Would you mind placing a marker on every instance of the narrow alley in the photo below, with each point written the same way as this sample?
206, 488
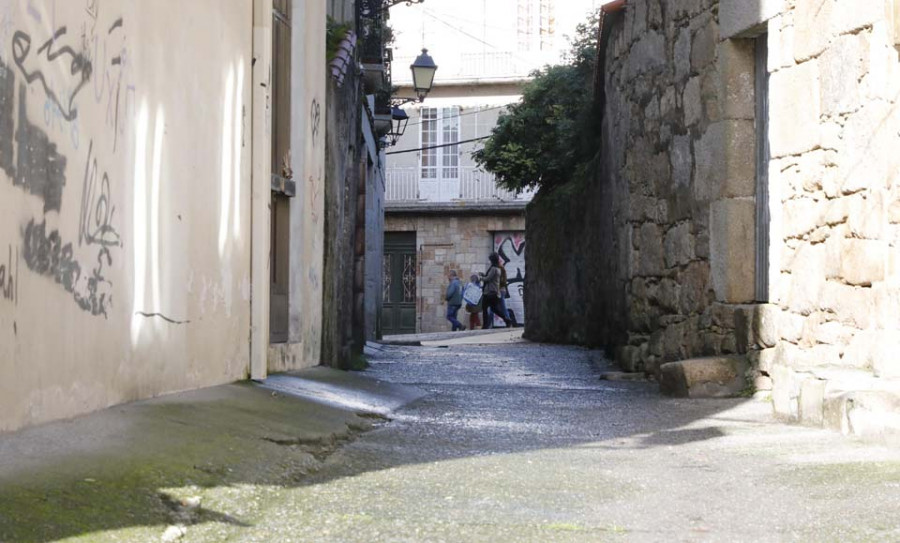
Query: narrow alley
256, 255
505, 442
525, 443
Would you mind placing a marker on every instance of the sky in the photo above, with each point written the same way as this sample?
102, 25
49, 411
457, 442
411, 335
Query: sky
484, 39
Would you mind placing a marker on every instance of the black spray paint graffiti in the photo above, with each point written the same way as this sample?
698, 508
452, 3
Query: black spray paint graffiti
315, 120
9, 278
32, 161
79, 67
95, 225
35, 165
45, 254
40, 168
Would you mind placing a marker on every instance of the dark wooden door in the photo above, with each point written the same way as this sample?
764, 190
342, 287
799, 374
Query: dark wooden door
398, 314
279, 293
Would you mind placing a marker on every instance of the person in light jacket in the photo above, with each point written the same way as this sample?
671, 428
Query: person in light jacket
491, 298
454, 301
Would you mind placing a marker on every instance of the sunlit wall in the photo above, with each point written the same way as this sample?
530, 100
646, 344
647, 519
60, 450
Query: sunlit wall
124, 201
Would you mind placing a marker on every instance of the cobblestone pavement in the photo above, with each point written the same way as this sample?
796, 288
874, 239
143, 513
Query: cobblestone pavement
524, 443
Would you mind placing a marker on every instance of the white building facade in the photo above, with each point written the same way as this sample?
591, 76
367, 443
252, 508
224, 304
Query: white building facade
449, 211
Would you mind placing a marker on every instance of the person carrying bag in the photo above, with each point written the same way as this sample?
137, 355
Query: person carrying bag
491, 293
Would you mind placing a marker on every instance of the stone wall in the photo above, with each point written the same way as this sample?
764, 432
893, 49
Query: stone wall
835, 85
668, 221
344, 160
353, 213
647, 271
444, 243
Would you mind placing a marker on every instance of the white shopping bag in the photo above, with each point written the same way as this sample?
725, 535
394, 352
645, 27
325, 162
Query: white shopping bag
472, 294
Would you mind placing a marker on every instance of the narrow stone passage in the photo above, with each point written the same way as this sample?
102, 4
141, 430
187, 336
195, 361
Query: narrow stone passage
524, 443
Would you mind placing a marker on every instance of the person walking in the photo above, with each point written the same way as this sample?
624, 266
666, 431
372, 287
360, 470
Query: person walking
454, 301
504, 293
491, 298
474, 310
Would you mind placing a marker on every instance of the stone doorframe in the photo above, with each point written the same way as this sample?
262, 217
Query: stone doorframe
731, 147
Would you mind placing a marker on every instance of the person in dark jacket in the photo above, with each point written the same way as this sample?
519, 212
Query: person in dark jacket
454, 301
491, 298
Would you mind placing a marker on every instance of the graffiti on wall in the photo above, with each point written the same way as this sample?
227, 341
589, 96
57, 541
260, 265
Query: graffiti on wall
46, 253
511, 248
9, 273
112, 86
73, 77
57, 68
34, 163
97, 209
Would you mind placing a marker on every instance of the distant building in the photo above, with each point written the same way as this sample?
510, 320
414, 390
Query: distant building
442, 212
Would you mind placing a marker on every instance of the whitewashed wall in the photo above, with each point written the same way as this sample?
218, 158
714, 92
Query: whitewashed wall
124, 201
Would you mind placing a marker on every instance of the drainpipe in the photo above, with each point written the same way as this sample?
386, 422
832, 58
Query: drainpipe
260, 187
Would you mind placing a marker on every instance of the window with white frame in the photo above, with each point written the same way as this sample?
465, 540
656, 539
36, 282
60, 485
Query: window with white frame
439, 131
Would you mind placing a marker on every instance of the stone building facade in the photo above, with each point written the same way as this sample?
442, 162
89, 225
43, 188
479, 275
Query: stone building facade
450, 240
746, 202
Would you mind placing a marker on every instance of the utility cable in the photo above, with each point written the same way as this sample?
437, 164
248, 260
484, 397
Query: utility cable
474, 37
437, 146
460, 115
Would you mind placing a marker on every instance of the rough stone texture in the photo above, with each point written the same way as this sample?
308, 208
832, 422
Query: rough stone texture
744, 17
833, 196
812, 401
794, 109
638, 229
731, 233
863, 261
714, 377
342, 337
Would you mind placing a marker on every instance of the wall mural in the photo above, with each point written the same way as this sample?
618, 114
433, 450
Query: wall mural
511, 248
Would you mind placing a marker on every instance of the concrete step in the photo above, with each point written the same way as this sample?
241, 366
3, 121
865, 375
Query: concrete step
712, 377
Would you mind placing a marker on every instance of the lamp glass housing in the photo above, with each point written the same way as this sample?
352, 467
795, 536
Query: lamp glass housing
423, 70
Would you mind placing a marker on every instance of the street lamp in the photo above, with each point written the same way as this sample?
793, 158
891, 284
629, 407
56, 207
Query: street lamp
423, 74
399, 120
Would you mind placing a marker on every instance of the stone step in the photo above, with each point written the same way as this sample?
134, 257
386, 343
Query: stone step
869, 414
852, 401
712, 377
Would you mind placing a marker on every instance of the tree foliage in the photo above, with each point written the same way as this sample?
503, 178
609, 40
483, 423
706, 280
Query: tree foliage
541, 140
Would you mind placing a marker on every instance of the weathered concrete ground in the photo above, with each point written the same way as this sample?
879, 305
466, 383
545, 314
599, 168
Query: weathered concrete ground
514, 442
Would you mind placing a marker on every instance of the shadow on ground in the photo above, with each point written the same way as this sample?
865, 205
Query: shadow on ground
135, 469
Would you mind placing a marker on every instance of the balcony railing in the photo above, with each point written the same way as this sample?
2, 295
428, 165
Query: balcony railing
492, 65
404, 185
